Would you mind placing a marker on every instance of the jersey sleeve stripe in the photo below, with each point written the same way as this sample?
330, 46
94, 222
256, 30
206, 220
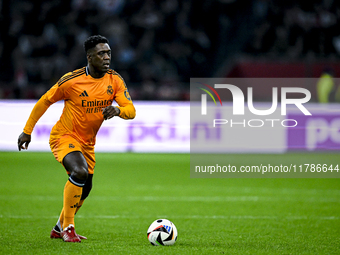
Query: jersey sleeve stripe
115, 73
69, 77
73, 73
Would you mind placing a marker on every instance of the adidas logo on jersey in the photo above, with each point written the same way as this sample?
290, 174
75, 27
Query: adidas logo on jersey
84, 94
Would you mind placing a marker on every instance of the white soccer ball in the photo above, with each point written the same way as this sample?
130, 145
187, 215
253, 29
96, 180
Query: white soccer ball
162, 232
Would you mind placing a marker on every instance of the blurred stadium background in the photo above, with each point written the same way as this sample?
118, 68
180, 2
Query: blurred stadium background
158, 45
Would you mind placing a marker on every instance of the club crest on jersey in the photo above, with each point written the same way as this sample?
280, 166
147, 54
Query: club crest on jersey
109, 90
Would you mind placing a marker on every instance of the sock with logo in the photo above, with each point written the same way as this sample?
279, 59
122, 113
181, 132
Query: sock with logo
79, 205
72, 194
59, 225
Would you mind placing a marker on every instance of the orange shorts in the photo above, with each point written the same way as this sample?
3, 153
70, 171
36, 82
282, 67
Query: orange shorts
62, 146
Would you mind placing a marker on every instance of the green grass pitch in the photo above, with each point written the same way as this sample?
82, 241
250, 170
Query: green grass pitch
213, 216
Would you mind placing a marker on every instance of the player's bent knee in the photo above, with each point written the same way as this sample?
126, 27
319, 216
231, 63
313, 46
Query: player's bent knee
76, 164
80, 173
78, 178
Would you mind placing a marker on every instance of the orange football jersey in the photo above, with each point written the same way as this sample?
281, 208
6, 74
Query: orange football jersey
84, 99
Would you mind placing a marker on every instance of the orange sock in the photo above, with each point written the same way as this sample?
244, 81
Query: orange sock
72, 195
79, 205
61, 217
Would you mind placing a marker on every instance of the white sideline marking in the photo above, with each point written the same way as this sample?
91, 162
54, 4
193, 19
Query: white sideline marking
224, 217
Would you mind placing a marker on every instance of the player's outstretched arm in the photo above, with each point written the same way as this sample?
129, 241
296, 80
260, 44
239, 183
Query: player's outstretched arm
23, 141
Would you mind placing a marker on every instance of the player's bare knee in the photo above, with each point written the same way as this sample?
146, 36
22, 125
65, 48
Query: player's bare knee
80, 173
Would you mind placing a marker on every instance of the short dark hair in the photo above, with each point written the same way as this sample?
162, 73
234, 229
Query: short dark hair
93, 40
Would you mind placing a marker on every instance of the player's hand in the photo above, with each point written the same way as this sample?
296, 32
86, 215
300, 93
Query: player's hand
110, 111
24, 139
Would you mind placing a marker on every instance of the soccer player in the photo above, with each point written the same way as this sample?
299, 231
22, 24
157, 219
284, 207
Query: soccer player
88, 94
